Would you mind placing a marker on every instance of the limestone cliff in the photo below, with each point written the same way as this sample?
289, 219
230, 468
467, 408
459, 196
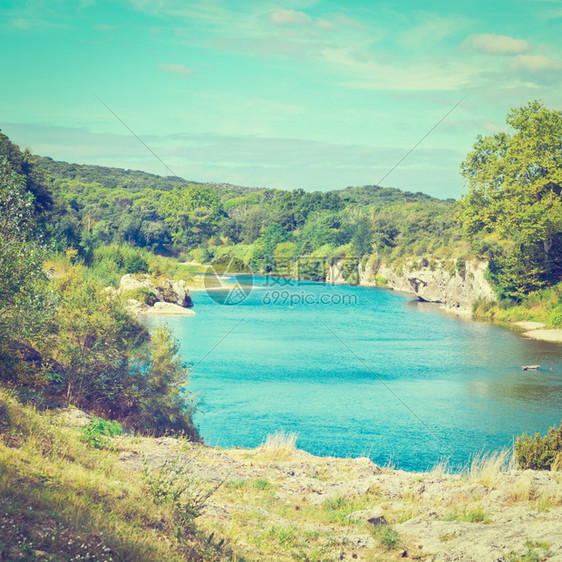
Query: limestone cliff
456, 285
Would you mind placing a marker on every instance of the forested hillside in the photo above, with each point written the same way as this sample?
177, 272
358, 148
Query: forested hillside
511, 215
97, 205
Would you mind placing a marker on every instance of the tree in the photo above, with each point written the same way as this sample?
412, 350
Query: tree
164, 402
93, 337
193, 214
23, 295
514, 189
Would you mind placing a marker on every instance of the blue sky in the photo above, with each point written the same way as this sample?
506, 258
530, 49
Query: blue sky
312, 94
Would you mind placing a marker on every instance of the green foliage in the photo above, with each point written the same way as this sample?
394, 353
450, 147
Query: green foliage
25, 299
540, 453
483, 308
556, 316
100, 206
175, 485
141, 294
91, 337
470, 515
98, 429
387, 537
514, 183
165, 402
192, 214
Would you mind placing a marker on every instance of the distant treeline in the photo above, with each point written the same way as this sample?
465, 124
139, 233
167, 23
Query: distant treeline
97, 205
510, 216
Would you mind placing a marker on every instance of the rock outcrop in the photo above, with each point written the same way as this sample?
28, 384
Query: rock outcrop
161, 295
163, 289
455, 285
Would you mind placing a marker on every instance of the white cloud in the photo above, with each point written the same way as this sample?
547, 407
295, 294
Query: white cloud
492, 44
370, 72
325, 24
432, 28
349, 22
176, 69
535, 64
288, 17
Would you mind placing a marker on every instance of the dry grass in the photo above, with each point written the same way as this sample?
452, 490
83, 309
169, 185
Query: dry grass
441, 468
61, 496
279, 446
487, 468
523, 489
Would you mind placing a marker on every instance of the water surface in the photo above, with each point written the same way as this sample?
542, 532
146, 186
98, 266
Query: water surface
376, 374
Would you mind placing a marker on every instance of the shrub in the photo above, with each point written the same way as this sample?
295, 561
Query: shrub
556, 316
175, 485
540, 453
141, 294
164, 402
484, 308
135, 263
461, 266
98, 429
387, 537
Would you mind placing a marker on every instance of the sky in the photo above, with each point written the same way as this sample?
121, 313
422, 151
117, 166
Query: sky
311, 94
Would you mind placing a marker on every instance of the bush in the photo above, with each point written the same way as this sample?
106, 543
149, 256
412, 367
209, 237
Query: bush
141, 294
556, 316
98, 429
540, 453
174, 484
387, 537
484, 308
135, 263
164, 403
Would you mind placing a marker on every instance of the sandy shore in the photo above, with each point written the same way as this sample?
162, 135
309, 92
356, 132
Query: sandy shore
537, 331
165, 308
552, 335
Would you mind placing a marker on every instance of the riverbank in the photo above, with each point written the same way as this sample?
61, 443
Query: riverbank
537, 331
277, 502
61, 498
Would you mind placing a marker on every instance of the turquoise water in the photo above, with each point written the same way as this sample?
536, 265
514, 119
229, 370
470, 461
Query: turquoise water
363, 371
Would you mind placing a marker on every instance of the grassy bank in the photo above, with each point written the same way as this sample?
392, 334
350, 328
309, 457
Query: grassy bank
62, 499
539, 306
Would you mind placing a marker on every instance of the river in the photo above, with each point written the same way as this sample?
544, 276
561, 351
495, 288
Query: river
363, 371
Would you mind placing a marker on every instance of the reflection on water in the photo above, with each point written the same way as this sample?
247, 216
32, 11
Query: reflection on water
386, 376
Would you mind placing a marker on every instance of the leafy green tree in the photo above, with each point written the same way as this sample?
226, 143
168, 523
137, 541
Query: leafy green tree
22, 164
164, 401
92, 339
24, 298
193, 214
514, 188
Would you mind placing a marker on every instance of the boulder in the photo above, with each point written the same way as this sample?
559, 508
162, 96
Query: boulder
163, 289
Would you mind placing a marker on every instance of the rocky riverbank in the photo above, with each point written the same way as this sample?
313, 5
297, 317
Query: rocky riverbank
160, 296
277, 502
280, 503
457, 285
